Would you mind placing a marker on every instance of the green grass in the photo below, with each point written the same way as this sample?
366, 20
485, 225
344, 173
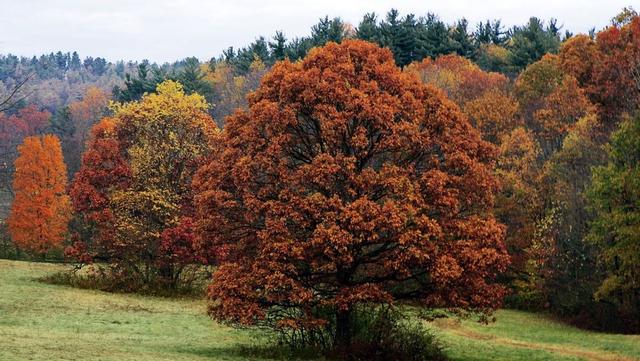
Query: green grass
41, 321
47, 322
528, 336
523, 327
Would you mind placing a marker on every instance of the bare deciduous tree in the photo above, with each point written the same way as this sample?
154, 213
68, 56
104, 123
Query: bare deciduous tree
14, 96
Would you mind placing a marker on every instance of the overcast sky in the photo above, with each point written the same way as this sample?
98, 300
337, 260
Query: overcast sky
167, 30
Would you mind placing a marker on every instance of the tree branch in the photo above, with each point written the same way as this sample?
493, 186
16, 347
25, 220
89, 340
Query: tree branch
10, 101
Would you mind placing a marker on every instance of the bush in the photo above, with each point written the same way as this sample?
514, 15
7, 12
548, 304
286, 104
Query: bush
378, 333
384, 333
7, 249
193, 280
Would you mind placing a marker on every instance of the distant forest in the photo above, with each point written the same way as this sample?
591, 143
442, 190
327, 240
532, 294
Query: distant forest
58, 80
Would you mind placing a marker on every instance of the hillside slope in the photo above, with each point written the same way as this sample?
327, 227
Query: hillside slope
46, 322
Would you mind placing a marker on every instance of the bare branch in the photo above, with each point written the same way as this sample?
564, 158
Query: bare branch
12, 99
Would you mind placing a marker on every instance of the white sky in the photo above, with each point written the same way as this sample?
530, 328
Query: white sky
167, 30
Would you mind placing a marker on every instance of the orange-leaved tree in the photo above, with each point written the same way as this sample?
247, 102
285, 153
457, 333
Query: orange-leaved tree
551, 102
460, 78
88, 111
518, 205
488, 101
494, 114
608, 67
82, 115
41, 208
482, 96
347, 182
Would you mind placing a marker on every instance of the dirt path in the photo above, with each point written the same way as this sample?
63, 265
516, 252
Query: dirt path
455, 328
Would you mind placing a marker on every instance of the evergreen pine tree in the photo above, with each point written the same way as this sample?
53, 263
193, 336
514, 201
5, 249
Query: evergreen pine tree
75, 61
461, 40
278, 47
368, 29
192, 79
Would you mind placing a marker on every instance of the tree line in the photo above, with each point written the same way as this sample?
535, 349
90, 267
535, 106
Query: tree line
57, 80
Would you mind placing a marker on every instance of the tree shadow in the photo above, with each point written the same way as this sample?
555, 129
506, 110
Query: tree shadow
249, 352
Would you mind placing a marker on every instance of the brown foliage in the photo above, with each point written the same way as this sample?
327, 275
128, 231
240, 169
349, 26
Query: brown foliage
482, 96
608, 68
551, 102
348, 182
494, 114
518, 205
460, 78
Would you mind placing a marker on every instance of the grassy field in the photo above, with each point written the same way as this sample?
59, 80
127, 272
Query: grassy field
527, 336
46, 322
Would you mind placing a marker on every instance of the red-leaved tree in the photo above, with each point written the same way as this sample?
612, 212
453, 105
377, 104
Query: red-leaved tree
28, 121
347, 182
608, 68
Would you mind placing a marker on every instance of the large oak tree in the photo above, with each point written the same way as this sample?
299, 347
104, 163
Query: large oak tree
348, 182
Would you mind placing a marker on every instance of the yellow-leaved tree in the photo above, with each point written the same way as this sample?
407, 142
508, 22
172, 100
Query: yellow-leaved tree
144, 203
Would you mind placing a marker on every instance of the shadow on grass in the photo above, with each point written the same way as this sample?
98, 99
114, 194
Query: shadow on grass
248, 352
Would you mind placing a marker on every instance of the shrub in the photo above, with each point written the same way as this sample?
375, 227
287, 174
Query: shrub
7, 249
384, 333
192, 281
379, 333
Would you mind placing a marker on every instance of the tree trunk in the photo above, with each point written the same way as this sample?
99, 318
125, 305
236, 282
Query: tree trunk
343, 329
166, 276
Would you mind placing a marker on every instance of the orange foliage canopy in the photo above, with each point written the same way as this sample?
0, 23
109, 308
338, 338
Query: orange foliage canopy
551, 102
519, 204
459, 77
88, 111
482, 96
41, 209
345, 182
494, 114
608, 68
26, 122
